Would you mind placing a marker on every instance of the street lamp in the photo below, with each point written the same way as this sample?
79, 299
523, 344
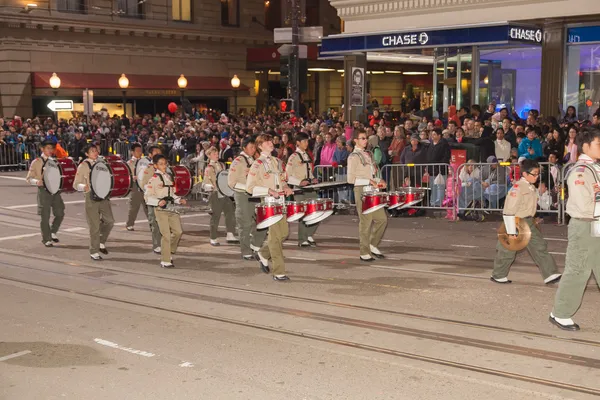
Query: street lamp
124, 84
55, 84
235, 84
182, 83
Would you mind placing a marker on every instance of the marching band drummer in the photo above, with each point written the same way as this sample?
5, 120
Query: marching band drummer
160, 193
218, 203
47, 202
149, 173
522, 202
362, 173
266, 178
244, 208
98, 212
299, 172
136, 196
583, 249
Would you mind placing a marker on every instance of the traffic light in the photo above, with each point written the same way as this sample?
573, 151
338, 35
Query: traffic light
286, 105
284, 69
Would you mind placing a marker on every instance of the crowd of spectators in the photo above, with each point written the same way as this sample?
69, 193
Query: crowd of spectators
489, 135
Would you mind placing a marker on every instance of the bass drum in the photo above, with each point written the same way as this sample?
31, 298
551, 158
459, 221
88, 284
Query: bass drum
58, 175
109, 179
222, 185
182, 179
140, 167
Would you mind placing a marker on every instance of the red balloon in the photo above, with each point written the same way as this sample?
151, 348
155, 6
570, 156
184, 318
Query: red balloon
172, 107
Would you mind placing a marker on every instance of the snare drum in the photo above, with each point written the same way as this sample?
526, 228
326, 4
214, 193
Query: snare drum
140, 167
58, 175
396, 199
313, 209
294, 210
413, 195
182, 179
268, 213
327, 212
109, 179
373, 201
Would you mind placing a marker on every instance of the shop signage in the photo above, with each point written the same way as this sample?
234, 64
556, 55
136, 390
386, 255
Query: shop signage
457, 37
160, 92
583, 34
358, 87
526, 34
61, 105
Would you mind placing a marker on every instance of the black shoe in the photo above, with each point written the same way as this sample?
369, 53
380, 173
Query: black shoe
572, 328
501, 282
96, 258
281, 278
104, 251
264, 268
378, 255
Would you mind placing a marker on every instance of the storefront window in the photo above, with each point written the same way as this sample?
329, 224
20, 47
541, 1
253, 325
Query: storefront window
511, 78
583, 80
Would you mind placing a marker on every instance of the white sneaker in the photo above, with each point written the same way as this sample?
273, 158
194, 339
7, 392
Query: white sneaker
552, 279
375, 250
157, 250
54, 237
214, 242
130, 228
231, 237
254, 248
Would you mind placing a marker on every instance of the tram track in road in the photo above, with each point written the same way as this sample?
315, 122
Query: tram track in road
311, 300
320, 338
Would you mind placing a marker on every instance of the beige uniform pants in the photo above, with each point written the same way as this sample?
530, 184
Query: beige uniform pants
371, 227
273, 247
100, 221
169, 224
136, 200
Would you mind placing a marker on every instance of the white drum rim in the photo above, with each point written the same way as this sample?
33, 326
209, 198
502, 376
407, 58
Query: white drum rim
60, 176
269, 221
411, 203
375, 208
112, 180
312, 216
227, 192
296, 217
326, 214
395, 206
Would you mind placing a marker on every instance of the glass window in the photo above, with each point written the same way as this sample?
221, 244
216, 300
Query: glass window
511, 78
230, 13
583, 80
130, 8
74, 6
182, 10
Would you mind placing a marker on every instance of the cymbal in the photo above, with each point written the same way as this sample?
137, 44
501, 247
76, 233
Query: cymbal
518, 242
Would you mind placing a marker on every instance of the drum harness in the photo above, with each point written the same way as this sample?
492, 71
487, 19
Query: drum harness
363, 161
307, 162
169, 199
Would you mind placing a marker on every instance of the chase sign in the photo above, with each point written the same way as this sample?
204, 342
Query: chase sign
526, 34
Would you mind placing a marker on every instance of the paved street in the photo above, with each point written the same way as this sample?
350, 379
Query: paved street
425, 323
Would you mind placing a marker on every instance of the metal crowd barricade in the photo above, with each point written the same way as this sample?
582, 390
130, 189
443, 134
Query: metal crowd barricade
15, 156
438, 179
121, 149
483, 187
342, 195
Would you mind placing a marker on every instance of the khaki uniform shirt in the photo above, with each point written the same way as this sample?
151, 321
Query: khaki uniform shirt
131, 164
266, 173
36, 170
299, 168
210, 175
148, 173
521, 200
583, 189
157, 189
361, 168
82, 177
238, 172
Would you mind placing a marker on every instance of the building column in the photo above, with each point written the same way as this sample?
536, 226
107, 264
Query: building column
353, 113
15, 84
553, 53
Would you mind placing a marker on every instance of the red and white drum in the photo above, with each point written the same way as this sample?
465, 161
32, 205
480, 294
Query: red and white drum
110, 179
396, 199
111, 158
327, 212
373, 201
183, 180
294, 210
313, 209
59, 175
268, 213
413, 195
